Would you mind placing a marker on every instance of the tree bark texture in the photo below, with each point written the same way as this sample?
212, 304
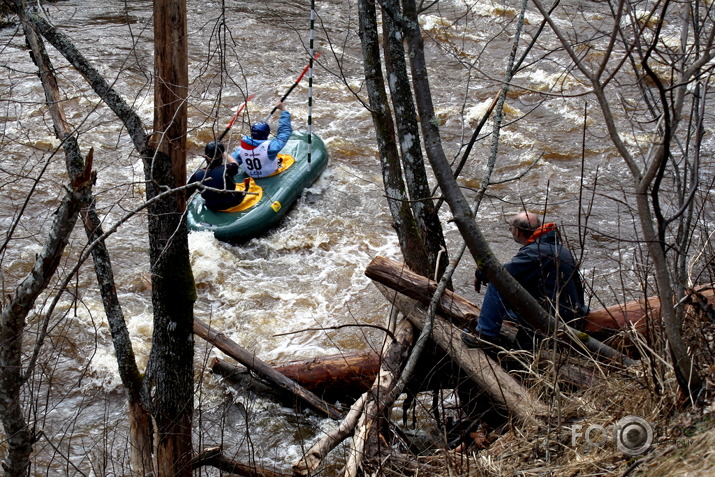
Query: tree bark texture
340, 377
139, 418
366, 440
413, 164
135, 128
404, 222
315, 455
396, 276
170, 370
214, 458
522, 302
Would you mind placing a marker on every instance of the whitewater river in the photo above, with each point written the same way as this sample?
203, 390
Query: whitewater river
308, 273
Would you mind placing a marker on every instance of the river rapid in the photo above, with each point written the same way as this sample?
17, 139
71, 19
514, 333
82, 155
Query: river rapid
282, 295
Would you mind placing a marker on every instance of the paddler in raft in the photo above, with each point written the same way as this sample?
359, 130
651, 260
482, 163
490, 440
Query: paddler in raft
256, 153
218, 174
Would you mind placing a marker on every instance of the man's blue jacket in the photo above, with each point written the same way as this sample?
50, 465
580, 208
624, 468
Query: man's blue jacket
549, 272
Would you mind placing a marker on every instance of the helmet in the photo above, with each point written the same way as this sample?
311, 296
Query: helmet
214, 150
260, 130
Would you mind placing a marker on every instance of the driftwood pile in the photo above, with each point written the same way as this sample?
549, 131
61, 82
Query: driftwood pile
368, 380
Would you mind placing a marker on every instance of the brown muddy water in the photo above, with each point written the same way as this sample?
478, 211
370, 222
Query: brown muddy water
308, 272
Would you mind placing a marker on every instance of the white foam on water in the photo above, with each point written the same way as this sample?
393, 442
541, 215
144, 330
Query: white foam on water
281, 295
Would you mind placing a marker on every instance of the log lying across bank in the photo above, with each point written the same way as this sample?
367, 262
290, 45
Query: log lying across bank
339, 377
483, 370
343, 377
250, 360
214, 457
401, 279
635, 315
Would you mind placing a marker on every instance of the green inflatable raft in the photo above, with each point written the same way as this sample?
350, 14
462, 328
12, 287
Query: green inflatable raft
269, 198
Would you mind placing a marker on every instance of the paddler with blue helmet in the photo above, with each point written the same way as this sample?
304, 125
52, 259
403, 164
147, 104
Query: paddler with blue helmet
256, 153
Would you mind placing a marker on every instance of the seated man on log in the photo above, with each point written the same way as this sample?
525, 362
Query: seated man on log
547, 270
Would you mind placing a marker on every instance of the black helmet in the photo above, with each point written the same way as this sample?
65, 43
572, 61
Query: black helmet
214, 150
260, 130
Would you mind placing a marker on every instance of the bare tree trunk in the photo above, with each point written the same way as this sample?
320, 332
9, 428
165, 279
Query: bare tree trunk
689, 378
315, 455
139, 418
408, 132
20, 437
140, 421
522, 302
96, 81
173, 290
170, 371
665, 104
420, 288
411, 236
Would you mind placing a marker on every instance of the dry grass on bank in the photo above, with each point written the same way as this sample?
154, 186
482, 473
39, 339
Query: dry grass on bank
683, 433
682, 444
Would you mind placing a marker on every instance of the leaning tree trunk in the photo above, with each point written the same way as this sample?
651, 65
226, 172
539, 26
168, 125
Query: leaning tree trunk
139, 419
12, 327
522, 302
164, 160
140, 423
170, 371
20, 437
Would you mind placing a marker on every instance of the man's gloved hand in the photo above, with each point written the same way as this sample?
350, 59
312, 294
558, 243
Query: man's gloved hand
477, 281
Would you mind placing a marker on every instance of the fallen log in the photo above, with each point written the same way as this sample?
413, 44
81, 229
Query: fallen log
247, 381
632, 315
250, 360
476, 364
432, 374
601, 322
579, 376
397, 277
340, 377
400, 278
315, 455
636, 314
214, 457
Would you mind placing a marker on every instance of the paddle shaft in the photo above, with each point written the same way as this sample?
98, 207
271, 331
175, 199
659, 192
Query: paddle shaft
233, 119
292, 87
